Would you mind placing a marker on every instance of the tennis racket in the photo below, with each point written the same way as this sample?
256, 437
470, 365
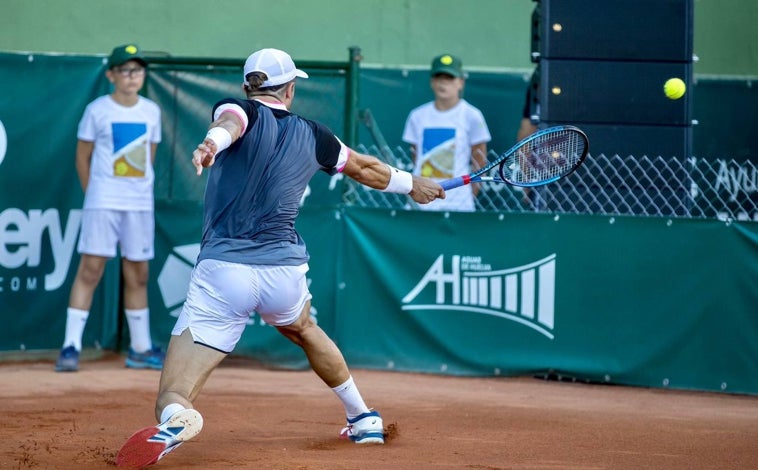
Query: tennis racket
543, 157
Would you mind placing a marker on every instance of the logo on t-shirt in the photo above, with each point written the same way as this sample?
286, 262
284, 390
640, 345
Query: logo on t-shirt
129, 149
438, 153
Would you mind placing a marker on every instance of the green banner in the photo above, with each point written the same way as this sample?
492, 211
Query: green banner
651, 302
643, 301
186, 95
40, 200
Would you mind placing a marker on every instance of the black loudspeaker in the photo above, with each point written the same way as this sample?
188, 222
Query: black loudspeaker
573, 91
638, 141
636, 30
603, 65
536, 33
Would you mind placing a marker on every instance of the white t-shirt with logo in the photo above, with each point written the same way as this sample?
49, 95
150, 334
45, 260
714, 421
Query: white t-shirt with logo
121, 171
443, 141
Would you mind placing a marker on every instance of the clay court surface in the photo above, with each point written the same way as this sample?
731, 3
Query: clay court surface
264, 419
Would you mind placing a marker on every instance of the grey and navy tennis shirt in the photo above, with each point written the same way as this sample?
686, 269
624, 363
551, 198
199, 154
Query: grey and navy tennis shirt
255, 186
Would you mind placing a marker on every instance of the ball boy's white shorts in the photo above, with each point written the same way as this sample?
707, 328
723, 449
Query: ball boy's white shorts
104, 229
223, 295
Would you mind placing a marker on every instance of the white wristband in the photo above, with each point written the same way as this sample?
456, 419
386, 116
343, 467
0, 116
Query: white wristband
221, 137
401, 182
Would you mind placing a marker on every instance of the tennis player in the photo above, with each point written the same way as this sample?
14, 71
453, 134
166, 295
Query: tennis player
252, 259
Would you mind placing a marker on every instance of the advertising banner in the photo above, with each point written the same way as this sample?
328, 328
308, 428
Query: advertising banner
642, 301
648, 301
40, 200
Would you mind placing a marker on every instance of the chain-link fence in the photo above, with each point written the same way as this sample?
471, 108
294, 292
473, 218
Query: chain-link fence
187, 88
667, 187
664, 187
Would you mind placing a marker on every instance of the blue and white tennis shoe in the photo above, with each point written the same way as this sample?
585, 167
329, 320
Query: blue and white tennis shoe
366, 428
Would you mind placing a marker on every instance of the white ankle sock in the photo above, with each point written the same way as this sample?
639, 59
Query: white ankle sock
351, 398
139, 329
76, 320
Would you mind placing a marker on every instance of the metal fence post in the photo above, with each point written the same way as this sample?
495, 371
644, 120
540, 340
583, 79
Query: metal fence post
351, 96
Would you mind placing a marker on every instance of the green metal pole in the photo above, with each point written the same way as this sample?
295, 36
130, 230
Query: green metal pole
351, 97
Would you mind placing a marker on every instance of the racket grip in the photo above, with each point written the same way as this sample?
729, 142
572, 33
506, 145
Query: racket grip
455, 182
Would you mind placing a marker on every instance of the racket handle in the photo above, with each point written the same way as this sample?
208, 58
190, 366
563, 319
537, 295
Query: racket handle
455, 182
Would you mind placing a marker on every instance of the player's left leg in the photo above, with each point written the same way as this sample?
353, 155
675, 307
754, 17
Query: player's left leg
364, 426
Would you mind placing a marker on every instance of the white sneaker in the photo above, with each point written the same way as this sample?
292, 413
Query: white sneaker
150, 444
366, 428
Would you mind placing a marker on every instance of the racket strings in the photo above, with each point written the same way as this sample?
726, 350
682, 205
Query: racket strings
545, 158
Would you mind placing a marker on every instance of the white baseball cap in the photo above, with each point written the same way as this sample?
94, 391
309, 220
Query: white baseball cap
277, 65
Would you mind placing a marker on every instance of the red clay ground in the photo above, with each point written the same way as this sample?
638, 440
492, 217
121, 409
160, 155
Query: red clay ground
263, 419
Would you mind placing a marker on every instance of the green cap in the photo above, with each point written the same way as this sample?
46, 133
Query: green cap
125, 53
447, 64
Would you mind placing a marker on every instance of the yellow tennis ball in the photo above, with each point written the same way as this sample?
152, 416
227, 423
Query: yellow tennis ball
121, 168
674, 88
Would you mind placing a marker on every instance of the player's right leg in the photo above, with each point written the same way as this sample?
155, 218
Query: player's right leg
186, 369
201, 335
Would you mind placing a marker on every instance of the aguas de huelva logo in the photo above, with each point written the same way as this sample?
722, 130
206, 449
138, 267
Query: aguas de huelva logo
523, 294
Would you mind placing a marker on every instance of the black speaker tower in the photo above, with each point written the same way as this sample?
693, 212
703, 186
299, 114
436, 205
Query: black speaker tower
602, 67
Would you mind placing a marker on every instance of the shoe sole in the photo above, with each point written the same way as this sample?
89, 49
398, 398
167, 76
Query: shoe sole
150, 444
370, 438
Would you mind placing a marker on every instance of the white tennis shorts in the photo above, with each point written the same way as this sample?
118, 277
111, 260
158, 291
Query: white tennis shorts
223, 295
104, 229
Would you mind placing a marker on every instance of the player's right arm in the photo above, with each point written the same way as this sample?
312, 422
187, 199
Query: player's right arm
84, 161
374, 173
229, 124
